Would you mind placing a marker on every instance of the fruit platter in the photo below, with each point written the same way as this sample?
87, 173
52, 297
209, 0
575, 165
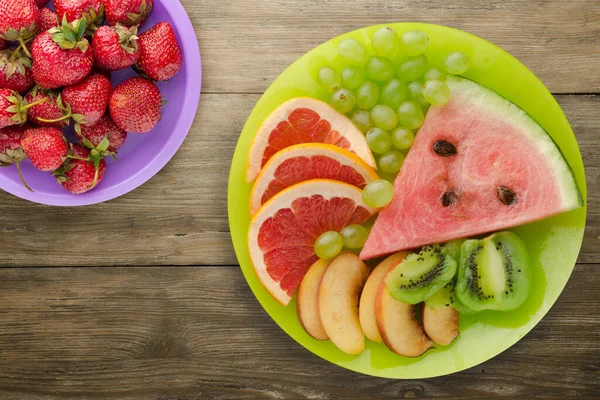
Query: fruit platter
96, 95
407, 200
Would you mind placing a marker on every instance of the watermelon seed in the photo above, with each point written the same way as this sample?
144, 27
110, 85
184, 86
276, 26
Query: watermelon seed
444, 148
506, 195
448, 198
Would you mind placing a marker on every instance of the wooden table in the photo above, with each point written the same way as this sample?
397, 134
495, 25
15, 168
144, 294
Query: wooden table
141, 297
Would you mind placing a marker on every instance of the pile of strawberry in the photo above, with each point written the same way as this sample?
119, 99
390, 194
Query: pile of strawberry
55, 72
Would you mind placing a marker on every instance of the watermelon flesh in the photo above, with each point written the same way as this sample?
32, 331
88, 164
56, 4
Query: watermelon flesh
440, 198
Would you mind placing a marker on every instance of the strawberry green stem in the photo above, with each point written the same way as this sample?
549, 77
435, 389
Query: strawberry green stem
49, 121
21, 176
95, 182
78, 158
35, 103
24, 47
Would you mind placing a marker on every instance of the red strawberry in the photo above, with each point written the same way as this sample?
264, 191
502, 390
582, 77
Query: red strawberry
127, 12
52, 109
41, 3
91, 10
15, 71
46, 148
81, 172
13, 109
105, 128
10, 149
19, 20
160, 57
115, 47
135, 105
87, 100
61, 56
3, 44
49, 19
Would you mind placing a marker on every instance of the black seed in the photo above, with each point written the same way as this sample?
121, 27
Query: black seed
444, 148
507, 196
518, 270
449, 198
447, 305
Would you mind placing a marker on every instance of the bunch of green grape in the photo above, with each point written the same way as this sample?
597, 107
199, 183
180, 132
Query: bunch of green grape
386, 90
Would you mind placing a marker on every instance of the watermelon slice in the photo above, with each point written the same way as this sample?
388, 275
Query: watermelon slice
478, 164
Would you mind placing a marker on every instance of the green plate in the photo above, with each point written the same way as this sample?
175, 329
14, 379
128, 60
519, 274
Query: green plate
554, 243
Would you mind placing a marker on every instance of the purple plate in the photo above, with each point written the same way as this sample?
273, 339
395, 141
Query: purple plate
143, 155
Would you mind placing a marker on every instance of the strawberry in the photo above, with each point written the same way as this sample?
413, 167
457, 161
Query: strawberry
41, 3
3, 44
160, 57
62, 56
46, 148
52, 109
13, 109
135, 105
90, 10
15, 71
10, 149
115, 47
128, 12
19, 20
87, 101
82, 172
92, 136
49, 19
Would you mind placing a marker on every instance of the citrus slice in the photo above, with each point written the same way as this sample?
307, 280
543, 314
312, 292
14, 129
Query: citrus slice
304, 120
283, 232
306, 161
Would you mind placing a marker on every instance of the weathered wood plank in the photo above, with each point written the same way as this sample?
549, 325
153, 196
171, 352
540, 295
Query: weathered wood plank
245, 46
180, 216
196, 333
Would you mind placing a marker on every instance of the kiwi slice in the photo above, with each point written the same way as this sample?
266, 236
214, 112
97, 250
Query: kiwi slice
446, 297
420, 275
494, 273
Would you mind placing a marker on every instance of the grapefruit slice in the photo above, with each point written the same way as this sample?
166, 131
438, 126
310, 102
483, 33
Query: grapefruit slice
304, 120
307, 161
479, 164
283, 232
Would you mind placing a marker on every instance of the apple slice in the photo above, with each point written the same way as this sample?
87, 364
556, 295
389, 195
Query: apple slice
339, 292
306, 301
366, 309
398, 325
440, 323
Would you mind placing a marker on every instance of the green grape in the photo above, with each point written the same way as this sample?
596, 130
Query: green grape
385, 41
379, 141
367, 95
410, 115
378, 193
393, 93
412, 68
391, 162
363, 121
330, 79
355, 236
456, 63
402, 138
343, 100
414, 43
415, 93
384, 117
329, 245
380, 69
353, 51
434, 73
353, 76
436, 92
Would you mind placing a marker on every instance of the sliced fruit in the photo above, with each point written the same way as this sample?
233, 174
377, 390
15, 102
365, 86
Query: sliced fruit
446, 297
367, 298
494, 273
398, 325
307, 305
339, 292
479, 164
440, 323
304, 120
307, 161
283, 232
420, 275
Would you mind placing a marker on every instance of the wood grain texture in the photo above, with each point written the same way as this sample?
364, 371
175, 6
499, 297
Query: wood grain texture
180, 216
198, 333
247, 45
